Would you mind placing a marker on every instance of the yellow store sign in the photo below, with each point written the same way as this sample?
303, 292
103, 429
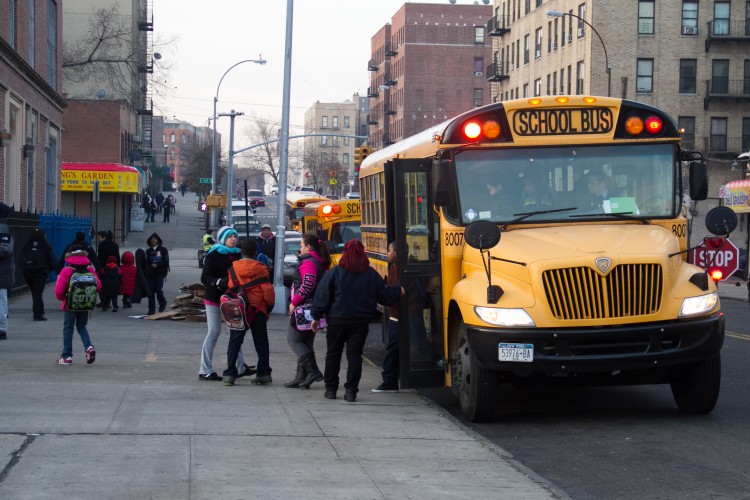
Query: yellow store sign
109, 181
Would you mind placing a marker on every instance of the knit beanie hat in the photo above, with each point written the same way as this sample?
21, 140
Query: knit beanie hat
111, 259
224, 233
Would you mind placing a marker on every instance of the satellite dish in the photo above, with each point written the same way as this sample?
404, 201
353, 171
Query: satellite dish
101, 94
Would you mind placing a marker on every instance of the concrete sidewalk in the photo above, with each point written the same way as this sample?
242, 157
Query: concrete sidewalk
139, 424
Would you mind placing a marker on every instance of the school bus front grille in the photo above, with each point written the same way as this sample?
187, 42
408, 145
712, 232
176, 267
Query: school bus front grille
582, 293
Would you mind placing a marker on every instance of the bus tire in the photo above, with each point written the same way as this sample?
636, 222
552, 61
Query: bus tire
695, 387
477, 388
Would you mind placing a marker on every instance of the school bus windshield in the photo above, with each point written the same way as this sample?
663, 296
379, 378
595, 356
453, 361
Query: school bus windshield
500, 185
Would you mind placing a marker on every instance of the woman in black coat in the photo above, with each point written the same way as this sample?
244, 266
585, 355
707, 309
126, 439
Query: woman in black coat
36, 262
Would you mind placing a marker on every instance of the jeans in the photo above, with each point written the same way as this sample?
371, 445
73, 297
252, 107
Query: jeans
3, 309
79, 321
156, 283
259, 330
300, 342
213, 319
354, 336
391, 361
36, 282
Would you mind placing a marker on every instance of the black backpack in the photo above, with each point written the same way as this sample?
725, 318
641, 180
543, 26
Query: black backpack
34, 259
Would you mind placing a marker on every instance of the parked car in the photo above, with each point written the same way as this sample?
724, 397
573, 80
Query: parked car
275, 189
291, 250
243, 228
255, 198
352, 195
305, 189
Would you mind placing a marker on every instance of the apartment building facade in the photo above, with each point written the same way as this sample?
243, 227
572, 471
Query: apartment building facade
179, 140
31, 104
689, 58
426, 66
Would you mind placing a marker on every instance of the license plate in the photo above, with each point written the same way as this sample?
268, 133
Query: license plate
520, 353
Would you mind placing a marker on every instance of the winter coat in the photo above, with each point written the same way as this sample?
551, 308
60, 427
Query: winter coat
110, 279
49, 257
306, 277
108, 248
7, 263
344, 297
63, 279
141, 288
215, 274
267, 246
128, 271
157, 258
261, 297
91, 254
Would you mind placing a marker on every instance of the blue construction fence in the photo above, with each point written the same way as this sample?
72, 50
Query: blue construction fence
60, 231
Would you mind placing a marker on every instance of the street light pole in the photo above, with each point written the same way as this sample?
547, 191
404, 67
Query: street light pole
230, 171
260, 61
557, 13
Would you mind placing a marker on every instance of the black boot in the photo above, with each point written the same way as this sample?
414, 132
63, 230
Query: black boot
300, 376
313, 373
330, 393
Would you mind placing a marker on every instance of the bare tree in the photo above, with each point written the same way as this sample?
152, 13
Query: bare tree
322, 167
107, 56
197, 161
265, 158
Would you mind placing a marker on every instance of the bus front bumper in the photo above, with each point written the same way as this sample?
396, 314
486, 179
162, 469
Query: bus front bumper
574, 350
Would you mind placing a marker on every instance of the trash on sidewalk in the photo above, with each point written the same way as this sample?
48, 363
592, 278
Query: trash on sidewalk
188, 305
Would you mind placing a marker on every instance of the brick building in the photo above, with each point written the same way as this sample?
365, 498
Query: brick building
31, 104
427, 66
179, 139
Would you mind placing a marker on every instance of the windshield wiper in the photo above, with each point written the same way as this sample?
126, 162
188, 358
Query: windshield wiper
526, 215
618, 215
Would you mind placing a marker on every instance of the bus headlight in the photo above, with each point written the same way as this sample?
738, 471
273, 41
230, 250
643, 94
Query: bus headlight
693, 306
504, 317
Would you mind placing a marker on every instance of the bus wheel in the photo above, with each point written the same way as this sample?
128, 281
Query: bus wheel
695, 387
477, 387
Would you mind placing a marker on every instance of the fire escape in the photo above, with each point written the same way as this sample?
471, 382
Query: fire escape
145, 105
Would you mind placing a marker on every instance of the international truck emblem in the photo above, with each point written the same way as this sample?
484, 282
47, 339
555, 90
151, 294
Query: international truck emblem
603, 263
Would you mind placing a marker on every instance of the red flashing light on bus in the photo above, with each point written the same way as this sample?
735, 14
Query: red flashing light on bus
654, 125
716, 274
472, 130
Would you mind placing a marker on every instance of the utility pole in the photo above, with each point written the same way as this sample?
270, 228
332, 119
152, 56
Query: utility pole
230, 170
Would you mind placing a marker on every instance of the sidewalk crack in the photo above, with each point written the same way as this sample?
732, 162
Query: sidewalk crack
17, 456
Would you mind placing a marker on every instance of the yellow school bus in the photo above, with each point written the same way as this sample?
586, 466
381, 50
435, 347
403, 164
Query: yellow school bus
295, 207
335, 222
543, 241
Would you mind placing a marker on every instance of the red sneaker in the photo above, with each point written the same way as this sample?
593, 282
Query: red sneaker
90, 354
64, 361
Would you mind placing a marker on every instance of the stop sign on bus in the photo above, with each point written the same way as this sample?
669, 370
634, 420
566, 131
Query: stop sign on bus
726, 258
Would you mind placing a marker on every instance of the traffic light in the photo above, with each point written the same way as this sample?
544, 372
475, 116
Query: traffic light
203, 206
360, 153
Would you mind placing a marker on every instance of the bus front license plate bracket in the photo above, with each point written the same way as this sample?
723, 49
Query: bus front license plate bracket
518, 353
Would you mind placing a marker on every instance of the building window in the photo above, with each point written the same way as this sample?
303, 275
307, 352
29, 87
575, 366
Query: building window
537, 87
527, 6
324, 122
687, 76
721, 18
644, 80
549, 38
525, 91
345, 159
562, 81
32, 32
478, 66
720, 76
581, 24
646, 17
746, 74
687, 125
324, 140
570, 76
479, 35
718, 134
478, 97
172, 138
689, 18
579, 77
346, 122
52, 43
526, 49
335, 121
171, 154
746, 134
183, 138
538, 43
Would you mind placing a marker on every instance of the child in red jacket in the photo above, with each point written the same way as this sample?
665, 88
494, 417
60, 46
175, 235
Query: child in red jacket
127, 285
76, 261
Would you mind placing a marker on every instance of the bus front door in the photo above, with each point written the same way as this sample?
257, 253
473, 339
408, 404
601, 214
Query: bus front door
415, 228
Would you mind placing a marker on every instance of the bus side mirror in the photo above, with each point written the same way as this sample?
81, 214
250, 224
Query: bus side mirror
444, 183
698, 181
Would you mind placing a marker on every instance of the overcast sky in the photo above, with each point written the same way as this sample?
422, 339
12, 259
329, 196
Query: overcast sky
330, 50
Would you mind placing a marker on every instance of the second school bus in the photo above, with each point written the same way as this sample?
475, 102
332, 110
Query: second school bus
543, 241
335, 222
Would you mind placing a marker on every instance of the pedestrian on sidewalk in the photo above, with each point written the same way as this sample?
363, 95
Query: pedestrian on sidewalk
347, 296
261, 300
90, 252
167, 208
159, 201
157, 258
314, 260
78, 269
105, 248
7, 268
37, 261
215, 279
390, 372
141, 288
110, 284
128, 272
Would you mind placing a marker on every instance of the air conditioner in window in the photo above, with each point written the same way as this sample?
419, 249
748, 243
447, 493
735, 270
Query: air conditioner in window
690, 30
570, 38
580, 32
478, 73
538, 54
554, 46
512, 66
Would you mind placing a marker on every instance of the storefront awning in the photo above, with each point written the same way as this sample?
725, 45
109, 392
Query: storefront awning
736, 195
112, 177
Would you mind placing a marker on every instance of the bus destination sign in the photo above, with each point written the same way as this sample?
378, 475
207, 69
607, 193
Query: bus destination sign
528, 122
